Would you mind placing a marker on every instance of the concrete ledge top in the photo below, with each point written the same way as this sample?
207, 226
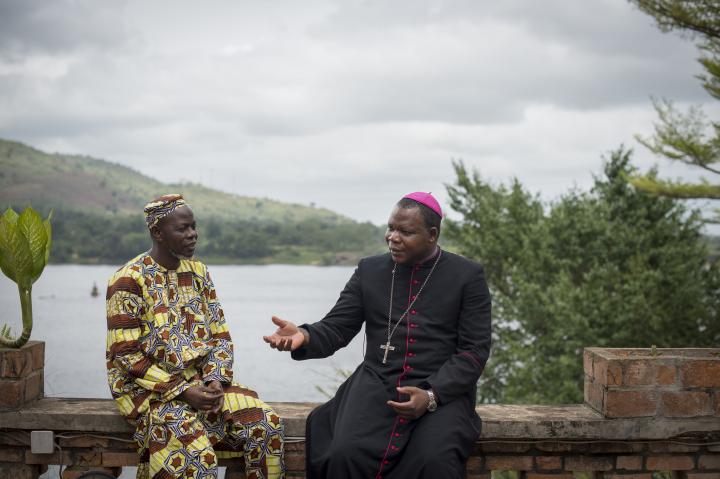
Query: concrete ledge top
500, 422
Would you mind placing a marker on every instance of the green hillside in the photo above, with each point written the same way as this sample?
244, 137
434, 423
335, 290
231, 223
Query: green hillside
30, 176
97, 215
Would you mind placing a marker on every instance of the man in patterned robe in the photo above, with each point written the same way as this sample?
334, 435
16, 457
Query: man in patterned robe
408, 410
170, 362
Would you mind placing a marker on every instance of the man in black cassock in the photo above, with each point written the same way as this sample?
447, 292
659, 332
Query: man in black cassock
408, 410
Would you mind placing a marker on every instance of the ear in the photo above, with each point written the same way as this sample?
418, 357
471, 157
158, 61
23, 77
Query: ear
434, 233
156, 234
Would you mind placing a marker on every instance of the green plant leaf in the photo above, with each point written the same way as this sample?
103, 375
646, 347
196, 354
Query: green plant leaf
31, 224
21, 257
10, 216
7, 228
48, 232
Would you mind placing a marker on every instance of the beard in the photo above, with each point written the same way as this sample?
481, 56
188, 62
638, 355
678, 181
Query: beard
177, 255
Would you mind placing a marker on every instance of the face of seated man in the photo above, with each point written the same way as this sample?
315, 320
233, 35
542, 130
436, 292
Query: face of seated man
409, 239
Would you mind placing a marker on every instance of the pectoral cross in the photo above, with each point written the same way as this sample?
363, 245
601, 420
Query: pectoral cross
387, 348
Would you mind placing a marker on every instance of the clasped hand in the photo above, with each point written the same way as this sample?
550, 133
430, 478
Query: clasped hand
415, 406
207, 399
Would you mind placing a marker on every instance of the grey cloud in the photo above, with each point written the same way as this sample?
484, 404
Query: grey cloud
38, 26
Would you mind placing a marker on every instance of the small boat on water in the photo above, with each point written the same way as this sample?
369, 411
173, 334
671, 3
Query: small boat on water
95, 292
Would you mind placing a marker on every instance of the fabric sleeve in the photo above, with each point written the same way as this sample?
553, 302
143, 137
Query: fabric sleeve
339, 326
126, 361
218, 364
460, 373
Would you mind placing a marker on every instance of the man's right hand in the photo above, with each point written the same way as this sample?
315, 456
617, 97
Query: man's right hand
202, 398
287, 337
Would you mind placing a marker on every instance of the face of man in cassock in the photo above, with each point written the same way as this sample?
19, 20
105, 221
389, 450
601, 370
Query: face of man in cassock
407, 236
177, 233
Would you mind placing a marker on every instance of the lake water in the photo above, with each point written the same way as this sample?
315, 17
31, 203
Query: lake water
72, 324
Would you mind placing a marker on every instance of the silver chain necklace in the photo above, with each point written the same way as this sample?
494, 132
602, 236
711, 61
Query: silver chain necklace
387, 346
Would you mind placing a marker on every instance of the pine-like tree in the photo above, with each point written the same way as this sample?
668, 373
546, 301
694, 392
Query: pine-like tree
687, 137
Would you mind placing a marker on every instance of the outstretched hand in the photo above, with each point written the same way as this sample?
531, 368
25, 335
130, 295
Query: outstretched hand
415, 406
287, 337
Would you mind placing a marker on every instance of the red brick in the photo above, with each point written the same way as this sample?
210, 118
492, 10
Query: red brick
621, 403
295, 462
664, 447
638, 373
607, 373
615, 447
295, 446
11, 393
503, 447
669, 463
11, 454
666, 375
15, 363
594, 395
589, 463
686, 404
629, 463
37, 351
119, 459
73, 472
549, 475
76, 457
634, 475
709, 461
54, 458
701, 373
18, 471
475, 464
34, 386
503, 463
555, 446
84, 441
548, 463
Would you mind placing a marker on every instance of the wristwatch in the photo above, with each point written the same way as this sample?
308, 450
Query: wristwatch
432, 403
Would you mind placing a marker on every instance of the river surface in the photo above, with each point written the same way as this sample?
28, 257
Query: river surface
72, 324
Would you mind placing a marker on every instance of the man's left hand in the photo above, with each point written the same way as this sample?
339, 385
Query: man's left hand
415, 406
217, 386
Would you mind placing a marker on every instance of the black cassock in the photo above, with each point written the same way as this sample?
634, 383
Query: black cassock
443, 343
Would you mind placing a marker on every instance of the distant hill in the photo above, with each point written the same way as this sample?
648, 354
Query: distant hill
30, 176
97, 215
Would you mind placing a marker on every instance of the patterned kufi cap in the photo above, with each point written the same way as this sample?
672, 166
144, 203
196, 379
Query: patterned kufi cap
160, 207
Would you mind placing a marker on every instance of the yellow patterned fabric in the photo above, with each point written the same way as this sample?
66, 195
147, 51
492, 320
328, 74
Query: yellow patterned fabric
166, 333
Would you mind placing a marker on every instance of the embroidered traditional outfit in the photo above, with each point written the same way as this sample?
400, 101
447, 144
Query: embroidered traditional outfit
442, 343
166, 333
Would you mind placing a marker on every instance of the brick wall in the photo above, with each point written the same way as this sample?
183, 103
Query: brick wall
671, 383
642, 415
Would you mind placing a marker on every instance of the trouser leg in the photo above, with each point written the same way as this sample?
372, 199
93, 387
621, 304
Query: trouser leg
256, 428
177, 445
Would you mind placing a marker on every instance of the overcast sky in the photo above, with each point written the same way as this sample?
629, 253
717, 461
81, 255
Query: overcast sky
345, 104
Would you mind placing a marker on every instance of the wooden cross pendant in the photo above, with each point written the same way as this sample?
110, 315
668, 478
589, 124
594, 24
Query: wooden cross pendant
387, 348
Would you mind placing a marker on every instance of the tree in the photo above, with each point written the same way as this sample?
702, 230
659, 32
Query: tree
687, 137
613, 267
